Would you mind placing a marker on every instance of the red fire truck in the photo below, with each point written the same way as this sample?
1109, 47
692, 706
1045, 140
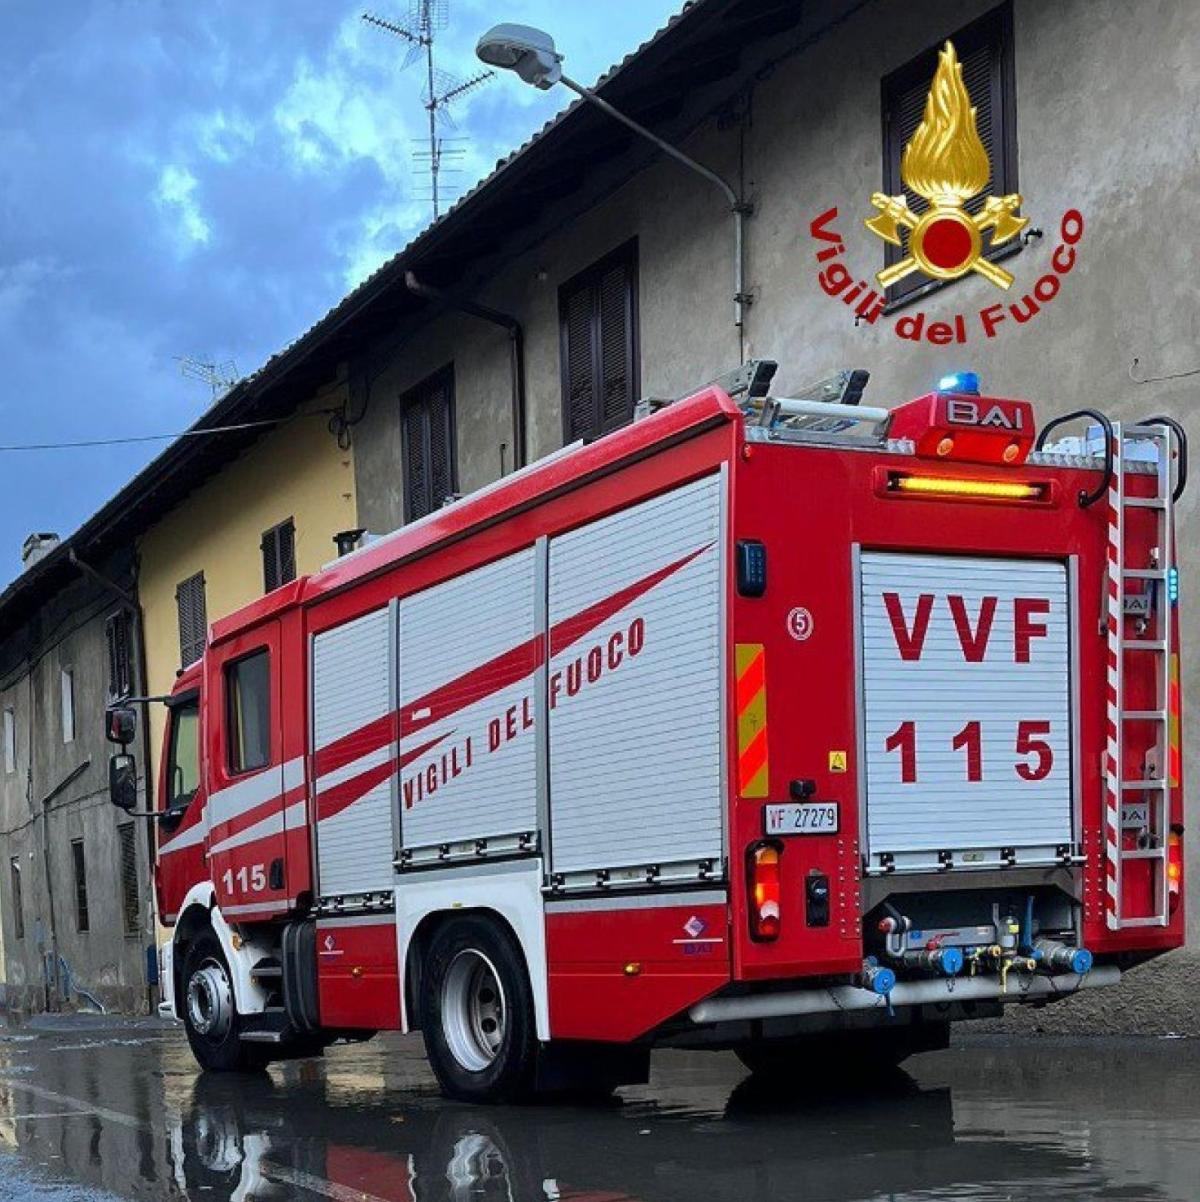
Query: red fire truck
786, 725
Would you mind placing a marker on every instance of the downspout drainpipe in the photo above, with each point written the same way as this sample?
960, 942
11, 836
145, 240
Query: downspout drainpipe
142, 686
516, 349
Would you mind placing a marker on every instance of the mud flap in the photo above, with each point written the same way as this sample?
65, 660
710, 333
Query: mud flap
300, 997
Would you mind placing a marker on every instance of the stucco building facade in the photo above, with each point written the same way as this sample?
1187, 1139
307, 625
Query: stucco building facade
76, 907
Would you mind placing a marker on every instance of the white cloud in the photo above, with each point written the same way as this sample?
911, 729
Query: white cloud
176, 193
222, 137
353, 105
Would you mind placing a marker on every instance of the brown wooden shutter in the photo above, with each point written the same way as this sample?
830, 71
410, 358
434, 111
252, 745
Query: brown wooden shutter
279, 555
598, 337
117, 638
616, 350
441, 450
985, 51
430, 454
131, 902
580, 398
193, 619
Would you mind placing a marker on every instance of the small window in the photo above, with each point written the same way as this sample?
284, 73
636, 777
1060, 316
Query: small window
193, 619
427, 434
183, 764
985, 50
18, 901
66, 681
248, 684
598, 346
117, 636
10, 740
279, 555
81, 898
131, 901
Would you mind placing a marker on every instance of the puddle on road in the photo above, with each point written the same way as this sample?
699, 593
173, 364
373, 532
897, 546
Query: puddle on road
988, 1121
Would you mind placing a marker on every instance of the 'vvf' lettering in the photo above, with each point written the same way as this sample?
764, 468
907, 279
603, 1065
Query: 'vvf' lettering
973, 632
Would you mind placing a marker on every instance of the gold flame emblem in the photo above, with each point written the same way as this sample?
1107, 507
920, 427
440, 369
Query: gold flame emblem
946, 162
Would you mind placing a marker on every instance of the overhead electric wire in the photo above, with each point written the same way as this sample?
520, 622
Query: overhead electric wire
113, 442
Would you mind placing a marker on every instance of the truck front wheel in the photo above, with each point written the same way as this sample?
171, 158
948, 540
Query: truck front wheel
477, 1013
210, 1015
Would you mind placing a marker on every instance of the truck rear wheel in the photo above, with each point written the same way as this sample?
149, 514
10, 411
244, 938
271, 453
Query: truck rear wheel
210, 1015
477, 1013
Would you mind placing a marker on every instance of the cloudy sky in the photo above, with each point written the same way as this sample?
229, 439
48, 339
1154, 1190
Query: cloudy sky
206, 180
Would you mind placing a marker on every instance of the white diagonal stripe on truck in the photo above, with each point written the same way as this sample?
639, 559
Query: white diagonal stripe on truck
230, 802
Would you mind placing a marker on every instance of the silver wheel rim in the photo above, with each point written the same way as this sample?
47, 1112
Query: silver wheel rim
210, 1001
474, 1010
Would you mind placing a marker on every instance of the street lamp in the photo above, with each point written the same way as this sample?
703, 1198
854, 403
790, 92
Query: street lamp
531, 53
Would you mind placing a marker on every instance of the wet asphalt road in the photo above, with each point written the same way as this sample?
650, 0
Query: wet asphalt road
122, 1113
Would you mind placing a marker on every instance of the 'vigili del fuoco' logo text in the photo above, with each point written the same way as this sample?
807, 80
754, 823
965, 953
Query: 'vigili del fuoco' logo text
946, 165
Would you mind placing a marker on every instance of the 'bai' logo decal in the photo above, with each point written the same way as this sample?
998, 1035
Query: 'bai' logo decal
945, 164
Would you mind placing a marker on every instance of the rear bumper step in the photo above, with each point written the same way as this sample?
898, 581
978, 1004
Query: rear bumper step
907, 993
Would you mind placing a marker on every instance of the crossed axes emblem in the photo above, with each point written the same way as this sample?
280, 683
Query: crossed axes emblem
949, 222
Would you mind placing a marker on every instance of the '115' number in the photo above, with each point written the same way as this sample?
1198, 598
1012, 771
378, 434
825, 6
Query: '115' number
248, 880
1031, 744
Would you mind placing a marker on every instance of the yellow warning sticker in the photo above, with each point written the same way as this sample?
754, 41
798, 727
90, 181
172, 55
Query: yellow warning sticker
837, 761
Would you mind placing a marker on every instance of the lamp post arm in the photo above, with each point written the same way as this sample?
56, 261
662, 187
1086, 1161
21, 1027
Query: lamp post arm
665, 147
736, 206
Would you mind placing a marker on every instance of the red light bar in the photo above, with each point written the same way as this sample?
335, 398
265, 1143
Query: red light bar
966, 429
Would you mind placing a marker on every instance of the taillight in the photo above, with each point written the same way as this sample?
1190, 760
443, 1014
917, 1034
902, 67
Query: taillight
1174, 868
765, 891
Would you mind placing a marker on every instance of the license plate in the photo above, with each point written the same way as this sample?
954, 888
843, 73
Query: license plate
802, 818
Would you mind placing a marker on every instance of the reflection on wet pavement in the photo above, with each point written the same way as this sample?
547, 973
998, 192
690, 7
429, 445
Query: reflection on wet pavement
125, 1112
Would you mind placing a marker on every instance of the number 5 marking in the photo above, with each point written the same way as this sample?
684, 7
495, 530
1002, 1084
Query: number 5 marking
1027, 744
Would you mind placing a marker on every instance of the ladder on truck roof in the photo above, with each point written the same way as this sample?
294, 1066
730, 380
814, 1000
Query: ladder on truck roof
1148, 609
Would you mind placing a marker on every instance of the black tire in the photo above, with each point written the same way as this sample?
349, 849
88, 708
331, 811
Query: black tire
477, 1013
844, 1053
218, 1048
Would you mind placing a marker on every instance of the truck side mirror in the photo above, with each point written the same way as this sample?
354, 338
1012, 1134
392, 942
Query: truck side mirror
122, 782
120, 722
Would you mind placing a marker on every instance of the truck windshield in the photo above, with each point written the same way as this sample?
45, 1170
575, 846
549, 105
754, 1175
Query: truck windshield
183, 766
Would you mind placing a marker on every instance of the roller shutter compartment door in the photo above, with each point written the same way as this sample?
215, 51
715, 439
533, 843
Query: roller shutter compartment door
967, 708
635, 685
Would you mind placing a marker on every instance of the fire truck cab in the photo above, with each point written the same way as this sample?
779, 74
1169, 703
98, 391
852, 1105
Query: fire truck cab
786, 725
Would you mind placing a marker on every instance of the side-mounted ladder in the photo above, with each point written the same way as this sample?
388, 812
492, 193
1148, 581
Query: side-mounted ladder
1140, 605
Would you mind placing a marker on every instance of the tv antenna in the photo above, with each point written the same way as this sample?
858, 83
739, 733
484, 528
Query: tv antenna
427, 18
220, 377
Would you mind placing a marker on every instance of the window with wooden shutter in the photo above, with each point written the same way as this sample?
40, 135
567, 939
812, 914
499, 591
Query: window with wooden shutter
131, 900
82, 920
985, 50
118, 636
10, 740
279, 555
427, 435
16, 900
193, 619
598, 331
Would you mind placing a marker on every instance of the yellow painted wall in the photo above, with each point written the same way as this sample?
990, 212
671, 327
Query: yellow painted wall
296, 471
